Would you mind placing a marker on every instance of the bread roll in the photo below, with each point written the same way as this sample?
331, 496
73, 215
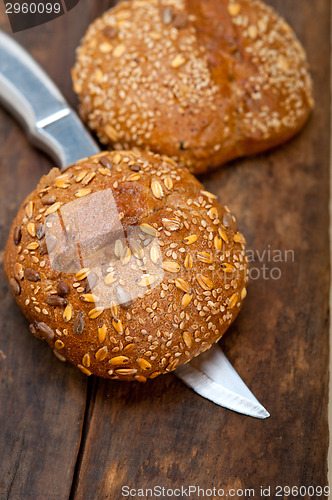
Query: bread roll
125, 265
200, 81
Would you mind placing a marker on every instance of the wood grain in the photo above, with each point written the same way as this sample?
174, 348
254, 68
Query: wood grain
161, 433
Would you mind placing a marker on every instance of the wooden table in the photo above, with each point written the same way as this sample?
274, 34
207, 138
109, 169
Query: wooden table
65, 436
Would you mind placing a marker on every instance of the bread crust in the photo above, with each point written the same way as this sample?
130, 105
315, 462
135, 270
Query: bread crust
101, 309
203, 82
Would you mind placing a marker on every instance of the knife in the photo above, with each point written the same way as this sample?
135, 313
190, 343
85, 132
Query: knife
29, 94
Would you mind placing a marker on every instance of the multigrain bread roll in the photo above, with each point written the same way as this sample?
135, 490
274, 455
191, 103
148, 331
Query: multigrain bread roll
125, 265
200, 81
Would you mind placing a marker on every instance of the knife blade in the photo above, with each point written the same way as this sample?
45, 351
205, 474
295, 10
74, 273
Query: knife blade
29, 94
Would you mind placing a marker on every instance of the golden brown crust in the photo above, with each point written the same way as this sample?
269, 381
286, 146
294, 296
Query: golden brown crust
138, 308
203, 82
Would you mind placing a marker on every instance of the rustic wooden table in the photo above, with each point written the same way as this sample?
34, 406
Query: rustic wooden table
65, 436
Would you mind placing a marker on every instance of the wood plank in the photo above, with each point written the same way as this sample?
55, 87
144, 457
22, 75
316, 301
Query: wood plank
42, 400
162, 433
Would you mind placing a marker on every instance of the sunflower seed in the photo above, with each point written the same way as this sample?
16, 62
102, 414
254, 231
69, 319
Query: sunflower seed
51, 242
45, 331
91, 281
243, 293
18, 271
15, 286
56, 300
105, 162
43, 248
31, 275
167, 15
78, 325
17, 235
123, 297
227, 220
40, 231
110, 32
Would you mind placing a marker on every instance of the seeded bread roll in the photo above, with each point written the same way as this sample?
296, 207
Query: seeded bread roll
200, 81
125, 265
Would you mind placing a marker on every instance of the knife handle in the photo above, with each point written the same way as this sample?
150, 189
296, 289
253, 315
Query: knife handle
30, 95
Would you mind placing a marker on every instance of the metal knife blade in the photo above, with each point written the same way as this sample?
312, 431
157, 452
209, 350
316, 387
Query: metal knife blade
212, 376
30, 95
53, 126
